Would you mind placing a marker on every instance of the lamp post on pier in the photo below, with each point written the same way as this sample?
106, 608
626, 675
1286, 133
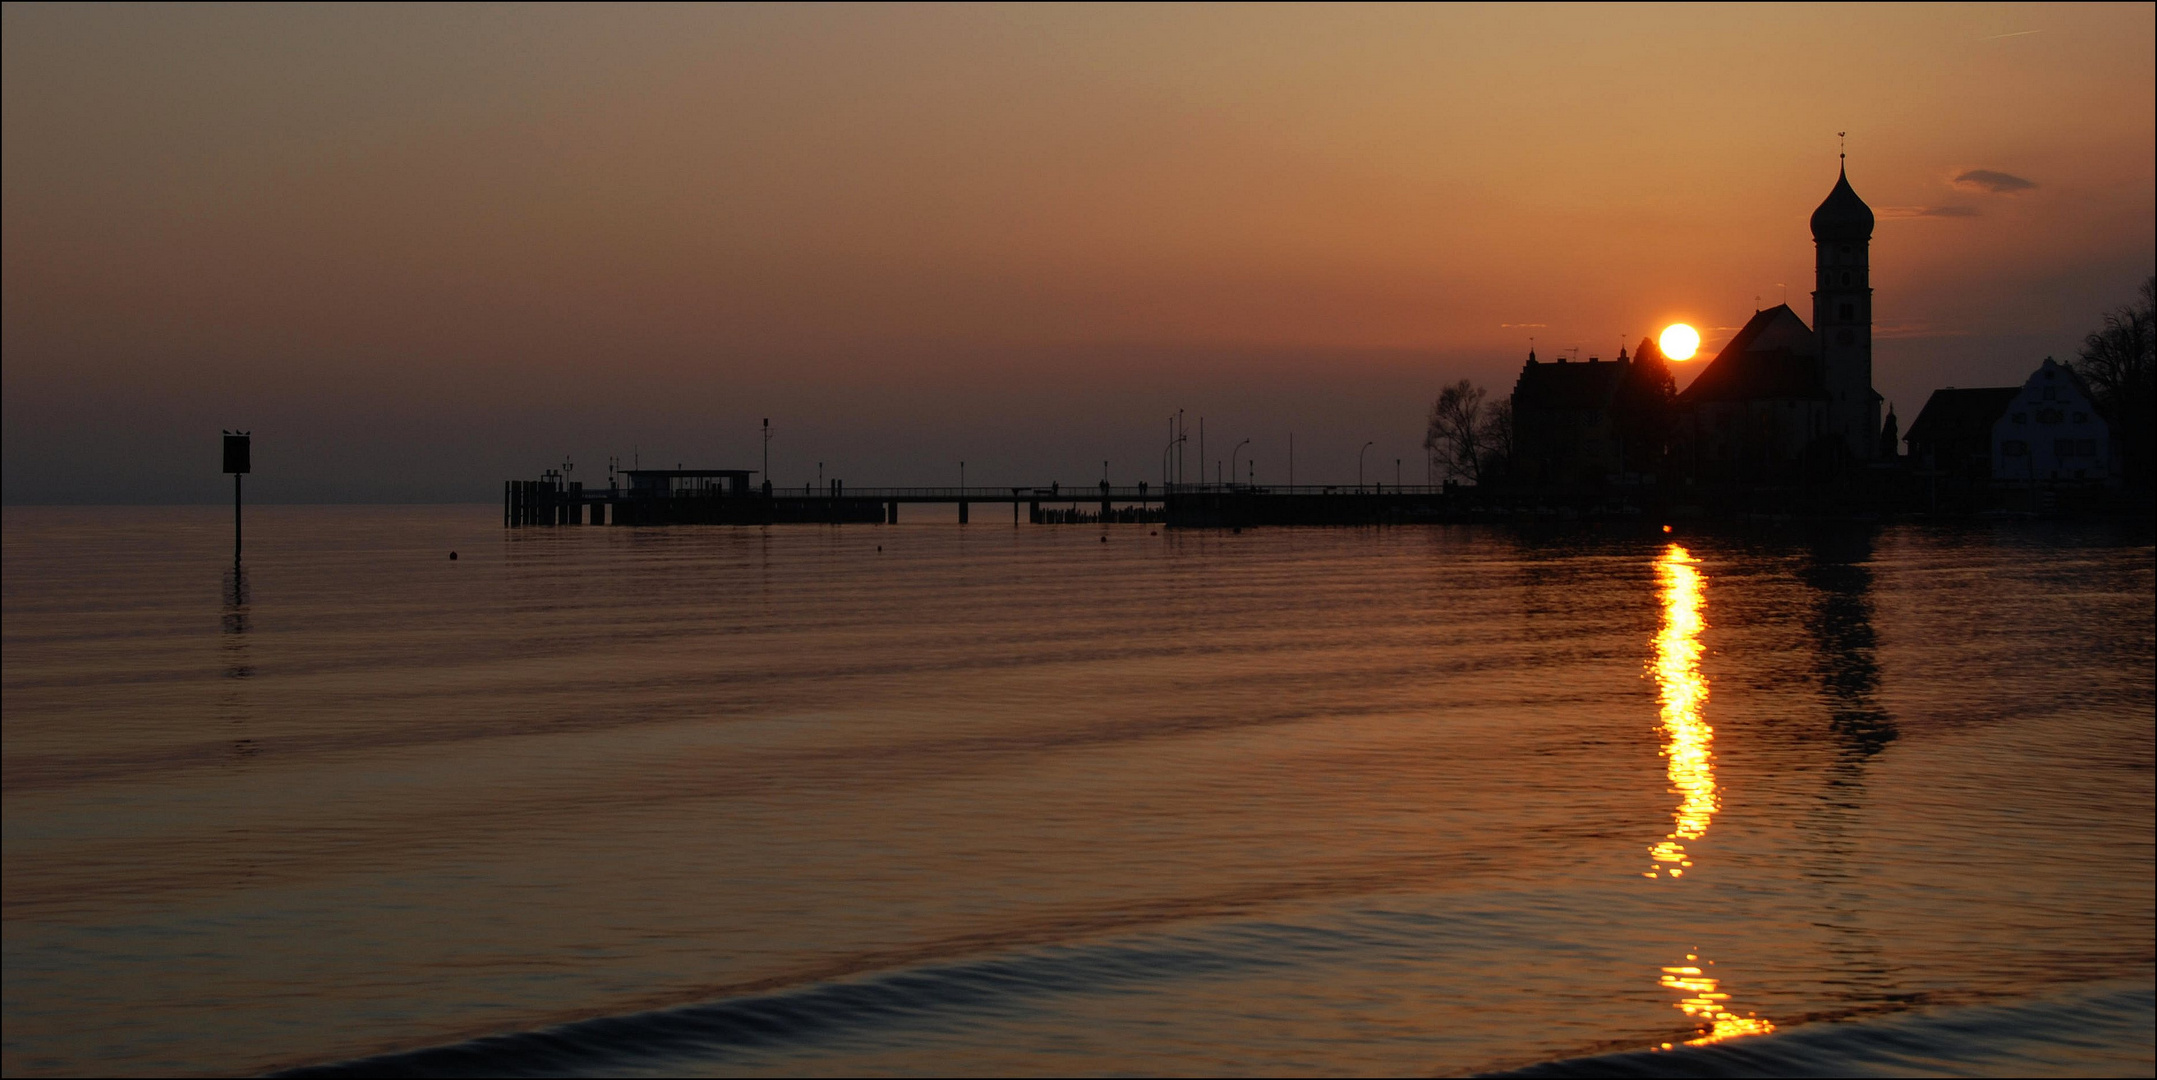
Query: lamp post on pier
1359, 463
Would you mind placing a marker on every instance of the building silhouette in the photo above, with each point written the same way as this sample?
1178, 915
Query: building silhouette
1952, 435
1761, 411
1783, 401
2049, 430
1588, 423
2052, 432
1562, 424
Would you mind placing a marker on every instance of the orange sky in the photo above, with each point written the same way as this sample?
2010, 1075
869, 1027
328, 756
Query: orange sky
422, 250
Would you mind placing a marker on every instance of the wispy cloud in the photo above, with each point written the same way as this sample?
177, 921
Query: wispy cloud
2018, 33
1992, 182
1927, 211
1910, 330
1521, 325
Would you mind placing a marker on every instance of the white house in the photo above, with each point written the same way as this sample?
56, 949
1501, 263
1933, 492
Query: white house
2051, 432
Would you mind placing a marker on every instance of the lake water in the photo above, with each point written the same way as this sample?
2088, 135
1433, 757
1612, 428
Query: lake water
927, 798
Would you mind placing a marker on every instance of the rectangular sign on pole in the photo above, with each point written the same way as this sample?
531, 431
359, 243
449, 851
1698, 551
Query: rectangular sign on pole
236, 453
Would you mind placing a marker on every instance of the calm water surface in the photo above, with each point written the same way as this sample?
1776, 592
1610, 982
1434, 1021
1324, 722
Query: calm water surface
1018, 800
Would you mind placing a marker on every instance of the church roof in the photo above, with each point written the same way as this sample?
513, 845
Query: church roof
1842, 215
1775, 356
1962, 416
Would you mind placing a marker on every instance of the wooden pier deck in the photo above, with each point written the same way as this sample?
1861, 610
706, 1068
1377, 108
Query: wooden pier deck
551, 502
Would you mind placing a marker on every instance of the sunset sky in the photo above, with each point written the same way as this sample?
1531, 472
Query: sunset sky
419, 250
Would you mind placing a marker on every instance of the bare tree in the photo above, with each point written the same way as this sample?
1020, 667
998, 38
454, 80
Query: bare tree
1456, 431
2117, 362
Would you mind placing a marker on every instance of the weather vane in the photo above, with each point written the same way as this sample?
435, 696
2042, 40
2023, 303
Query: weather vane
1842, 145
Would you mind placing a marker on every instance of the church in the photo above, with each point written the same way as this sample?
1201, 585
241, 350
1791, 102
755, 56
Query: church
1784, 401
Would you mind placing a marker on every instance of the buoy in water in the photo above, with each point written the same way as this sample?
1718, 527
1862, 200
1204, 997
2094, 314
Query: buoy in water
453, 556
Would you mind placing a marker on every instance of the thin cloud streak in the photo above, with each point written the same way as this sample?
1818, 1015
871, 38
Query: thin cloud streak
1928, 212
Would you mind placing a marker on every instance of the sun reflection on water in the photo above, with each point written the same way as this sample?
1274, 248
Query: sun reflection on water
1688, 752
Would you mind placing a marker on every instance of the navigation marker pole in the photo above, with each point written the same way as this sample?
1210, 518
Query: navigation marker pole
237, 454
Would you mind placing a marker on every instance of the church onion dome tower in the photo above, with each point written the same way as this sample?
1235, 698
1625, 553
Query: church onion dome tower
1842, 216
1842, 317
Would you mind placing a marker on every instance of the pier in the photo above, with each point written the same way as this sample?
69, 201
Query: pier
726, 497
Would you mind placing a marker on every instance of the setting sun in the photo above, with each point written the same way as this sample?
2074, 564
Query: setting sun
1679, 341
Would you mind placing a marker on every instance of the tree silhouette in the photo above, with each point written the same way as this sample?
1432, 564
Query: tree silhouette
1470, 441
2117, 363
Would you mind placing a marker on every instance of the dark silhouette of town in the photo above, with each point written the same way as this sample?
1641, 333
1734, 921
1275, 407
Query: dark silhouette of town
1784, 418
1783, 421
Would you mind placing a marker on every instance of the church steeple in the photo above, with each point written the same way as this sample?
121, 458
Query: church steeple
1842, 215
1842, 315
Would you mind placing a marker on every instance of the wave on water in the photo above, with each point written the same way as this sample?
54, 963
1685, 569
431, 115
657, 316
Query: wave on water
2104, 1030
739, 1026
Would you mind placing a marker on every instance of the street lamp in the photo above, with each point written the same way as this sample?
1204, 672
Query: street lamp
1232, 457
1359, 463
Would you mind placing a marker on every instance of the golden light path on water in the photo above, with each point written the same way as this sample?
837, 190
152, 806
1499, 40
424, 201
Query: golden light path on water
1688, 751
